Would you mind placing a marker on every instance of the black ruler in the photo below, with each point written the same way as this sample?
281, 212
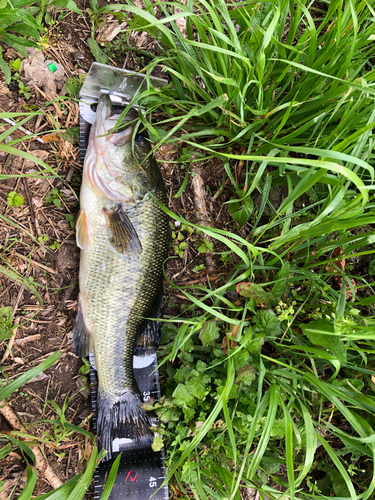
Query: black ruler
141, 472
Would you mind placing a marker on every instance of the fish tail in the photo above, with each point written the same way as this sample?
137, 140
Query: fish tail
122, 424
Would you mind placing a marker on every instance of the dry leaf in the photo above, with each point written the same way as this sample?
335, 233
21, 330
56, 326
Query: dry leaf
37, 201
38, 378
109, 32
333, 267
224, 344
86, 448
52, 137
38, 153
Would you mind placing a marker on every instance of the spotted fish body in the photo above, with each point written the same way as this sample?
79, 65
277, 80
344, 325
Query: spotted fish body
124, 239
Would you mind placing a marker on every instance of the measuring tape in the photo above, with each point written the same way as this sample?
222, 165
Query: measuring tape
141, 472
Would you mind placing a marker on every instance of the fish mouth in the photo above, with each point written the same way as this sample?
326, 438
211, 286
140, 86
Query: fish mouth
106, 121
103, 112
121, 138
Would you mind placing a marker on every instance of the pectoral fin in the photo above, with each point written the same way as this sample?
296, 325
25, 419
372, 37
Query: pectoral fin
124, 237
82, 236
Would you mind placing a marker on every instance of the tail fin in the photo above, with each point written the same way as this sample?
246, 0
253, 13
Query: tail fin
122, 424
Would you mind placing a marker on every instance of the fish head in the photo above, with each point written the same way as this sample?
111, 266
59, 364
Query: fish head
123, 150
121, 159
113, 147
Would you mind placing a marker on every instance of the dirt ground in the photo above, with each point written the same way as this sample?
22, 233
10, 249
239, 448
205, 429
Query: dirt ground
27, 233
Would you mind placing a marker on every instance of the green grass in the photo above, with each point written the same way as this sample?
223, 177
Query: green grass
288, 89
76, 487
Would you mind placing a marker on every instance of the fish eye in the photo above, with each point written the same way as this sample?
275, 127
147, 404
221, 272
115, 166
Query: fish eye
141, 139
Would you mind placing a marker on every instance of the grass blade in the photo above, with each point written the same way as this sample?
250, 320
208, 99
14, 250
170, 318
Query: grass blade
261, 448
62, 492
27, 492
81, 487
111, 479
339, 466
6, 391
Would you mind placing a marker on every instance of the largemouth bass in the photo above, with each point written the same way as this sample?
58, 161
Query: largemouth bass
124, 236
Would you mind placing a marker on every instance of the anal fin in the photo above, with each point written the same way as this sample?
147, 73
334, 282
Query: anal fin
124, 237
81, 336
149, 338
